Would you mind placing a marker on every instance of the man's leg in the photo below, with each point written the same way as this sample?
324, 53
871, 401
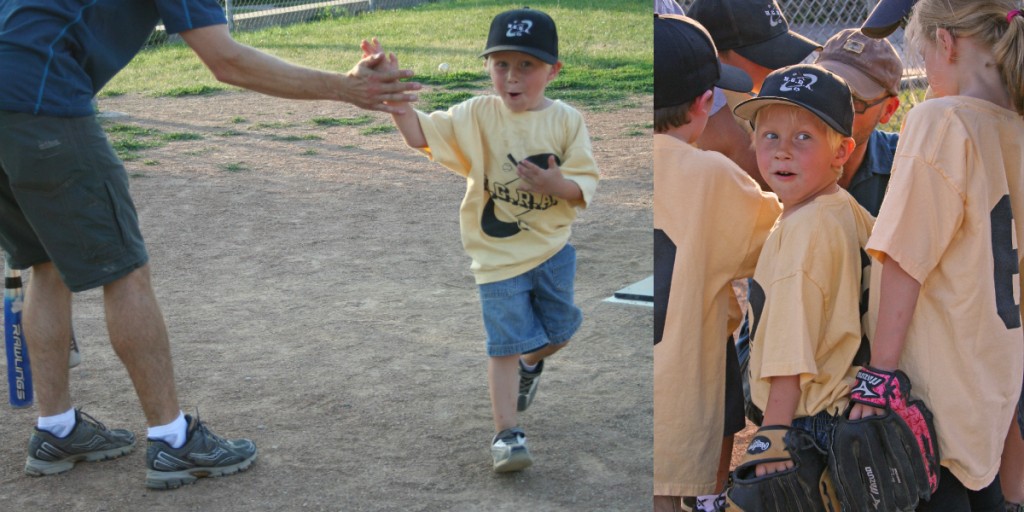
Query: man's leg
139, 337
47, 323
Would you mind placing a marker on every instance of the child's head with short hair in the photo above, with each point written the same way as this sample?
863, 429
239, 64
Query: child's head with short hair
522, 57
686, 68
996, 25
803, 119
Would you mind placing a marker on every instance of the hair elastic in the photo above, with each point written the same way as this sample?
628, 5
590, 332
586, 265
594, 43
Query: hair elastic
1014, 13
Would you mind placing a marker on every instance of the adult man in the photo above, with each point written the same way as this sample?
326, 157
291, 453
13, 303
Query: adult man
872, 69
65, 211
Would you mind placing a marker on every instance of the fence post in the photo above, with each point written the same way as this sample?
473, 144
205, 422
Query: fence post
370, 5
229, 12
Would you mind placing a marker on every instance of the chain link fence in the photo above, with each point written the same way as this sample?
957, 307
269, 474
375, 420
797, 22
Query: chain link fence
257, 14
821, 19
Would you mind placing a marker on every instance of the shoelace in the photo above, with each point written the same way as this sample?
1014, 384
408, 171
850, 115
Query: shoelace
84, 416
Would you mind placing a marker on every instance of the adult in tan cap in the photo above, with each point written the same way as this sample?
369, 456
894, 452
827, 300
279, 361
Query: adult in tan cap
873, 69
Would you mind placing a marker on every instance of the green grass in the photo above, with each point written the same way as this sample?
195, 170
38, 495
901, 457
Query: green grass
380, 128
293, 138
343, 121
605, 45
234, 167
176, 136
274, 125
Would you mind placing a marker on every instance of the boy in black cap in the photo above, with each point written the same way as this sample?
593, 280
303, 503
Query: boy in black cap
754, 36
804, 312
696, 375
529, 167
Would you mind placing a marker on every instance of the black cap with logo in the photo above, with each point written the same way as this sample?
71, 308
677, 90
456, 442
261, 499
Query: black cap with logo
886, 17
809, 86
686, 63
755, 29
524, 30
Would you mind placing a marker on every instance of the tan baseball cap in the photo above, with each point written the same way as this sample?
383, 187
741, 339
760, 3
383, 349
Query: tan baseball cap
870, 66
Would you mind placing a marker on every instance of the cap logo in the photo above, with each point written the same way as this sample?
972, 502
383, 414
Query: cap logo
519, 28
796, 82
854, 46
774, 16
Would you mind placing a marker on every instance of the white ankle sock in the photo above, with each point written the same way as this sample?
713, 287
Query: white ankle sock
172, 433
60, 425
527, 367
706, 503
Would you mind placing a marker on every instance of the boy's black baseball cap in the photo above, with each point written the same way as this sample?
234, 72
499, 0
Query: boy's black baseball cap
686, 63
809, 86
755, 29
524, 30
886, 17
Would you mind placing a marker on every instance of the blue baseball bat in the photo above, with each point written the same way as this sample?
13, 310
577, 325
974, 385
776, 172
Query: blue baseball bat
19, 372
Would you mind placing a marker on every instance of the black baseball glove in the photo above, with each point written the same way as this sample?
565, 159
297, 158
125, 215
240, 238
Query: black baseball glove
806, 487
885, 463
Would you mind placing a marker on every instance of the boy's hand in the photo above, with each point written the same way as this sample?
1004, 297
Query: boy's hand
859, 411
547, 181
388, 62
772, 467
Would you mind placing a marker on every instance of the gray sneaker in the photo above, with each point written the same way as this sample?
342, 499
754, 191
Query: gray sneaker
528, 382
90, 441
204, 454
508, 448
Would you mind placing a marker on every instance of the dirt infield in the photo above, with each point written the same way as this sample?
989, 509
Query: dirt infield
319, 302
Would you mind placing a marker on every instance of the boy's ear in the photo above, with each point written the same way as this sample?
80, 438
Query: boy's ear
843, 152
555, 68
701, 105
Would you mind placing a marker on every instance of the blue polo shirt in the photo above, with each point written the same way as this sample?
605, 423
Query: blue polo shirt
55, 55
872, 177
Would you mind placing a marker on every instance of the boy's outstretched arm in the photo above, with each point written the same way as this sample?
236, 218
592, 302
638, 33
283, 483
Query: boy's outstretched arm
547, 181
405, 118
896, 303
782, 401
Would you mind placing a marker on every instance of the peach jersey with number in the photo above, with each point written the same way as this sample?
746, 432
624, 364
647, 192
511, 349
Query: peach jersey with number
505, 230
952, 218
805, 298
710, 219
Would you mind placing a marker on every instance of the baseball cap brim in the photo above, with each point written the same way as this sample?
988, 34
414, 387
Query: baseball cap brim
734, 79
748, 109
864, 87
886, 17
785, 49
540, 54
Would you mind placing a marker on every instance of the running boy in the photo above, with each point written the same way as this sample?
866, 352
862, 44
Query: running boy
805, 296
528, 165
948, 308
696, 373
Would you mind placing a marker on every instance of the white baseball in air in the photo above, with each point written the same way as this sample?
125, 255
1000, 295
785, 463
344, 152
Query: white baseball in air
443, 67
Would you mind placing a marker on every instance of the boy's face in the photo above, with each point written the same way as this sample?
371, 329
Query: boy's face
794, 155
521, 79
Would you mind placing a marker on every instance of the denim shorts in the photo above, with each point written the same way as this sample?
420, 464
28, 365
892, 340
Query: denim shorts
524, 313
64, 198
820, 426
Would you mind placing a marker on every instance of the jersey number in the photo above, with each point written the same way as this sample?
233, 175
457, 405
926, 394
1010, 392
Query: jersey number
1005, 266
